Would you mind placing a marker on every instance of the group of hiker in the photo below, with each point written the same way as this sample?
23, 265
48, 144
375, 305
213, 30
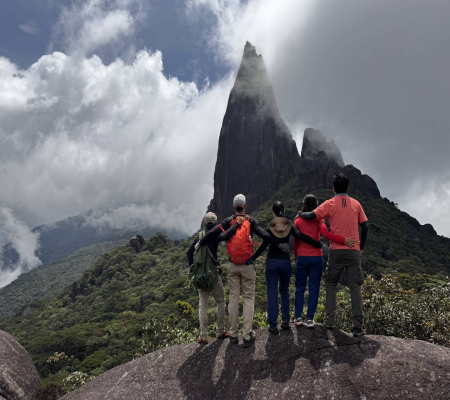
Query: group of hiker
345, 215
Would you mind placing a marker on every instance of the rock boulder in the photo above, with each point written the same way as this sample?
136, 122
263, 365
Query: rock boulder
19, 379
299, 363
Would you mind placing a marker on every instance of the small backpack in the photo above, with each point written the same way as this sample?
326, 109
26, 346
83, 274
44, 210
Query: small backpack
203, 272
240, 246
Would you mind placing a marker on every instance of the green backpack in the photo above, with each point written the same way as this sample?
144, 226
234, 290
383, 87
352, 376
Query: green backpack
203, 272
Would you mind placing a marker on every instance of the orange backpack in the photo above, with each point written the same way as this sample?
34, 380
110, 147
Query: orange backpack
240, 246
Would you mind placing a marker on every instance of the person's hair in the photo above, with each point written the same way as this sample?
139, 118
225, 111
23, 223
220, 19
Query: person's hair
340, 183
310, 203
239, 209
278, 209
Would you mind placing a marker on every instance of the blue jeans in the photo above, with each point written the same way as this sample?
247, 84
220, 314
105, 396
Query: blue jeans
277, 270
312, 267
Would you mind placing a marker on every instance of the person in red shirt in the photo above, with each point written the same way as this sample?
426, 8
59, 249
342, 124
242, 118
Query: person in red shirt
346, 216
309, 261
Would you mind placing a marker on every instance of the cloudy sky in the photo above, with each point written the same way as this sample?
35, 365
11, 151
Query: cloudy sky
119, 103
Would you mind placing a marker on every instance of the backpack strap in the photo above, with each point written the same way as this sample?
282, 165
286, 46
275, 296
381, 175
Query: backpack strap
221, 227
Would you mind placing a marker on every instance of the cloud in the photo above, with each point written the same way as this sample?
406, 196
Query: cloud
371, 75
26, 243
76, 134
29, 27
86, 26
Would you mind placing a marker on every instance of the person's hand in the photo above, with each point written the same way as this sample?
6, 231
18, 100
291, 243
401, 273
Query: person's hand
284, 247
350, 242
249, 261
197, 245
361, 252
240, 220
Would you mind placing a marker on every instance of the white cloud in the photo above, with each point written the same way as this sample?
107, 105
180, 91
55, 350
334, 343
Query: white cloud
25, 243
29, 27
88, 25
78, 134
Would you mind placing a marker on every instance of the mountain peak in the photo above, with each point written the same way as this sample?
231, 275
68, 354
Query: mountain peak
314, 141
256, 151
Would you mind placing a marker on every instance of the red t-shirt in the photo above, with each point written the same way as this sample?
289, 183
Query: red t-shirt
345, 214
313, 228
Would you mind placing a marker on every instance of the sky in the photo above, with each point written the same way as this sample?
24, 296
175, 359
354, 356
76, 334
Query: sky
118, 104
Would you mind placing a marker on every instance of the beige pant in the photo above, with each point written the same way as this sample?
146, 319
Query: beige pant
241, 279
219, 296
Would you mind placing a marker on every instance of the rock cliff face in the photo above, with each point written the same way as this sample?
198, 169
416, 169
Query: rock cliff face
256, 154
314, 141
298, 363
19, 379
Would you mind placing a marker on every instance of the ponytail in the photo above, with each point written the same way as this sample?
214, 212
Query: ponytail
278, 209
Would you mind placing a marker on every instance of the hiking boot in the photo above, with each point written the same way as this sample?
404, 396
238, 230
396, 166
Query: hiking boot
310, 323
285, 325
298, 321
275, 330
233, 339
202, 341
223, 336
357, 332
248, 342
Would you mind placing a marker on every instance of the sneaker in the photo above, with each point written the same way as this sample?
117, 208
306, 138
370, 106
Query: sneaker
202, 341
310, 323
223, 336
285, 325
357, 332
248, 342
233, 339
298, 321
275, 330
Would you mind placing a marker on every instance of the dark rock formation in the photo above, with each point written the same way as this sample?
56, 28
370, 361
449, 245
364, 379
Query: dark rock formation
19, 379
298, 363
137, 242
358, 181
256, 154
315, 141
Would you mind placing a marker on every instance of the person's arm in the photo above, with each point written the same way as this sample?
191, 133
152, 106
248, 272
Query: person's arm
265, 236
190, 252
364, 233
304, 238
307, 215
330, 236
214, 232
261, 248
224, 236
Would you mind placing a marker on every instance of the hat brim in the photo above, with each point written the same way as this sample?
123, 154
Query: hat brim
280, 227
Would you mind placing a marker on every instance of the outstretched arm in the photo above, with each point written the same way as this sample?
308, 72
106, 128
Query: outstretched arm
190, 252
364, 233
307, 215
304, 238
260, 249
214, 232
224, 236
330, 236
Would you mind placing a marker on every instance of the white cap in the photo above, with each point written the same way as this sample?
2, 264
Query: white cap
239, 201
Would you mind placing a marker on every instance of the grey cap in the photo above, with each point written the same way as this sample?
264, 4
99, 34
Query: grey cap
239, 201
210, 218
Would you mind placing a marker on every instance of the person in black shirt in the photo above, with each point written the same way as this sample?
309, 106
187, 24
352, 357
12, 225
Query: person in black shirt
210, 221
278, 266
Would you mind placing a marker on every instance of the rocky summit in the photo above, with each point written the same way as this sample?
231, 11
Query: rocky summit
256, 152
299, 363
19, 379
